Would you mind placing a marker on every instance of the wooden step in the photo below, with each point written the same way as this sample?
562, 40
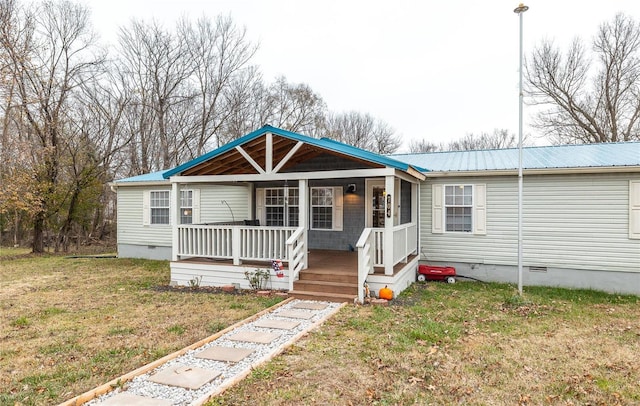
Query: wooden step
324, 286
322, 296
328, 276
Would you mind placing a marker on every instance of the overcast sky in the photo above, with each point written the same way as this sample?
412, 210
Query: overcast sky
436, 70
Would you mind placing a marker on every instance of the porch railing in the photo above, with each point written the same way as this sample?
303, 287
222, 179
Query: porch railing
297, 252
371, 251
405, 242
366, 247
233, 242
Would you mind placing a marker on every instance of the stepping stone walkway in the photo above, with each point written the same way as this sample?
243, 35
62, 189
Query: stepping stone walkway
201, 373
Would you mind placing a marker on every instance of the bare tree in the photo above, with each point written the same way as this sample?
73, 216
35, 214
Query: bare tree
362, 131
423, 146
155, 67
593, 99
499, 139
295, 107
50, 49
220, 54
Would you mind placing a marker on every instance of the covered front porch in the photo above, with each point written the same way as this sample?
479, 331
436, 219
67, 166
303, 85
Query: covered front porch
218, 255
356, 211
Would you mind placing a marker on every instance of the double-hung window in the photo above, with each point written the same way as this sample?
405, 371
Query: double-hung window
159, 206
458, 202
281, 207
459, 208
186, 206
322, 202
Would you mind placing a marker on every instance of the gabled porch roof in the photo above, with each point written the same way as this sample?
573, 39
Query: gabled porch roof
270, 149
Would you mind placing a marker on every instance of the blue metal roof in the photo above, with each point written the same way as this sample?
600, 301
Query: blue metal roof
147, 177
566, 156
325, 143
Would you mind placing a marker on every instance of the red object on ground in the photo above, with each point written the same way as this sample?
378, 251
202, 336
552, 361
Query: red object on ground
436, 273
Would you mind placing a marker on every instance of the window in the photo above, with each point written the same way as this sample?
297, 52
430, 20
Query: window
159, 206
458, 202
459, 208
186, 206
322, 208
281, 207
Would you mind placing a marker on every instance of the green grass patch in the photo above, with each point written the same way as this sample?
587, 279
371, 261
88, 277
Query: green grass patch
121, 331
21, 322
177, 329
216, 326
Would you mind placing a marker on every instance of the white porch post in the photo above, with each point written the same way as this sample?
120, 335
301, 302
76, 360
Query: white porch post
415, 217
390, 198
174, 218
235, 245
303, 216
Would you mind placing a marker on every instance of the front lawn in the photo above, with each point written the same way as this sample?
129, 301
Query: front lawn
468, 343
69, 325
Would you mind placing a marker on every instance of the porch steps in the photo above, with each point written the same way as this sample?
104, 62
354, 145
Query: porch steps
322, 296
334, 285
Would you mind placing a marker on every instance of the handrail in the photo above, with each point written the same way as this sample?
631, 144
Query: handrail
297, 251
366, 252
296, 234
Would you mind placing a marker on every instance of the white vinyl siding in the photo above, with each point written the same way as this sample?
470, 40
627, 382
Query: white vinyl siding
634, 209
569, 221
133, 203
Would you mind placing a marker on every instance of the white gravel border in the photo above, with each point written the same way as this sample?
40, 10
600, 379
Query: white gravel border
231, 372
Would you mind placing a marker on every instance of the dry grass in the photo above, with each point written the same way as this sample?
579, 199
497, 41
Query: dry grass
468, 343
69, 325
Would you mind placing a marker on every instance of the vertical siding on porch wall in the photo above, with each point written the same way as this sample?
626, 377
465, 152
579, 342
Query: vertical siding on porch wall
575, 226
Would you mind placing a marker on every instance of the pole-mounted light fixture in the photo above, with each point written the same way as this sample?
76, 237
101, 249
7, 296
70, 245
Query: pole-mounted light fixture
520, 10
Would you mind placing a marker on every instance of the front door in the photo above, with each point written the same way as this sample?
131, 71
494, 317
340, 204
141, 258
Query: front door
375, 204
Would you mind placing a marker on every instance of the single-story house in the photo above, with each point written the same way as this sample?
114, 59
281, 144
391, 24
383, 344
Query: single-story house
337, 216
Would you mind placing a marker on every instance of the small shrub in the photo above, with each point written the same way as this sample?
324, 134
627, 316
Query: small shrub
195, 281
258, 279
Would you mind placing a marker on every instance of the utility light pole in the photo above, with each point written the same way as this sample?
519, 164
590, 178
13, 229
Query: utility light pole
520, 11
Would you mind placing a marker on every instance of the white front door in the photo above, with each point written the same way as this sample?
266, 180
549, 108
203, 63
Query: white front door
375, 205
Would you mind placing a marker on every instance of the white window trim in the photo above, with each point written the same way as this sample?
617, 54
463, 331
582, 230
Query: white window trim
261, 203
337, 209
195, 205
146, 219
478, 211
146, 207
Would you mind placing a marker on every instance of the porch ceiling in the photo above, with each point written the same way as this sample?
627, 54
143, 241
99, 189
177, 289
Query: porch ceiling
233, 162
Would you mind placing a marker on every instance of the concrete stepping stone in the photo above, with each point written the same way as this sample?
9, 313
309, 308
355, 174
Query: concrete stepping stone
277, 324
259, 337
310, 305
184, 376
295, 314
129, 399
226, 354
